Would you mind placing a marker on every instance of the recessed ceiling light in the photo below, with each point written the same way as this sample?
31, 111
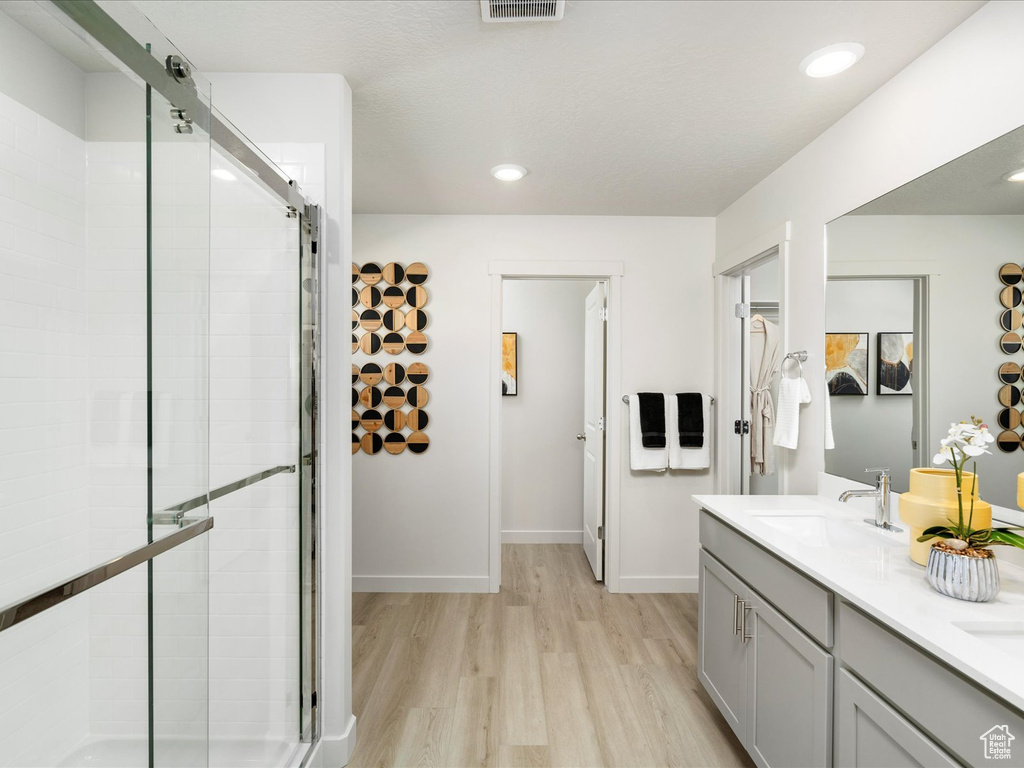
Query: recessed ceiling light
224, 174
508, 172
1017, 175
832, 59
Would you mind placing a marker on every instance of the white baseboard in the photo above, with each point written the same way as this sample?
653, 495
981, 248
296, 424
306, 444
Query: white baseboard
658, 584
542, 537
336, 751
421, 584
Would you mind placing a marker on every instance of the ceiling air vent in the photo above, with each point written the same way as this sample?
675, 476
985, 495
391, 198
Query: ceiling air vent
522, 10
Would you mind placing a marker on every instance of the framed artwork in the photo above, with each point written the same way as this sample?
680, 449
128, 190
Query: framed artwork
846, 363
509, 365
895, 363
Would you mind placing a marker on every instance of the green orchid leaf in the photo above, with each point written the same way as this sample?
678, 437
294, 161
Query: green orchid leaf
1007, 537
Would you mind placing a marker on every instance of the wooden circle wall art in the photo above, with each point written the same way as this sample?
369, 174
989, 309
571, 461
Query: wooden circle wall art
394, 373
370, 374
418, 442
416, 320
416, 297
1008, 441
1010, 319
371, 397
1009, 373
395, 420
418, 373
370, 274
393, 343
394, 319
370, 343
418, 397
371, 420
382, 308
394, 273
417, 273
1010, 274
417, 420
1008, 418
370, 320
393, 297
394, 442
371, 443
1009, 396
1010, 343
416, 343
1010, 296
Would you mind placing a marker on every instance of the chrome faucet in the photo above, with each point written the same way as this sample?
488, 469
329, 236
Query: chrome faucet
881, 496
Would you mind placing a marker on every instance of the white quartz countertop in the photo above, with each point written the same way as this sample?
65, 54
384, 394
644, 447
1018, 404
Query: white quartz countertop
872, 570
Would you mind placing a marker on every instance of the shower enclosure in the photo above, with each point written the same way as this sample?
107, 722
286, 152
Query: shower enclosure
158, 411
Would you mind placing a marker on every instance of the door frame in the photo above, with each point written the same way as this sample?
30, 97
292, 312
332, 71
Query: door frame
612, 272
728, 272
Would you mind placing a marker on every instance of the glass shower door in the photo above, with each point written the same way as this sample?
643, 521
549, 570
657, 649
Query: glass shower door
178, 413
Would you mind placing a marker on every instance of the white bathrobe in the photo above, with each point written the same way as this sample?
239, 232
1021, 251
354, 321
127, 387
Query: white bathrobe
762, 408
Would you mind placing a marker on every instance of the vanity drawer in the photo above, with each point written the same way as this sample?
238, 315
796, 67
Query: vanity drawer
805, 602
951, 710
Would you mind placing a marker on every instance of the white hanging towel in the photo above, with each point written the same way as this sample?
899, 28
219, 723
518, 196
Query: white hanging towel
792, 394
830, 440
688, 458
640, 458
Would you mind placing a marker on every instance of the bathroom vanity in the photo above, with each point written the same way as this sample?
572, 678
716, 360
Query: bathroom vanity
822, 644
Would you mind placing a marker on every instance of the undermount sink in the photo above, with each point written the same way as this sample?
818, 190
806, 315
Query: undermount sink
1007, 636
822, 531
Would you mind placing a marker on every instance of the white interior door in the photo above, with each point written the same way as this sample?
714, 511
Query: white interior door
593, 430
744, 431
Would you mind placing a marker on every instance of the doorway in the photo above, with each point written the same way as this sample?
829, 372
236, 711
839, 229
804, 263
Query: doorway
552, 385
553, 471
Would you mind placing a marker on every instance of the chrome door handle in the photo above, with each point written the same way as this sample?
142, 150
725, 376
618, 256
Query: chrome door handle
581, 436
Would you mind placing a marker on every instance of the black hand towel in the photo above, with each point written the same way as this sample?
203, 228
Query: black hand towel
691, 419
652, 419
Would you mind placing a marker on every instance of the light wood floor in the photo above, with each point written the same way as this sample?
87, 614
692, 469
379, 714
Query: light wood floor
552, 671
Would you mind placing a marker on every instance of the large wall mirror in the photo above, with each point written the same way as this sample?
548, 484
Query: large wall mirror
917, 313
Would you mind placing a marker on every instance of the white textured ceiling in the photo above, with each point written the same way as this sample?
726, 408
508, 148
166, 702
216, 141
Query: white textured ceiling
625, 107
971, 185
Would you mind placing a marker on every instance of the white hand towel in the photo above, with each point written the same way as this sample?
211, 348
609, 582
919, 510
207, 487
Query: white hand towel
830, 440
688, 458
640, 458
792, 394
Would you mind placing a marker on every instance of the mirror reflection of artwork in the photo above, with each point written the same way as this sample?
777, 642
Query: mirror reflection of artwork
895, 363
846, 363
508, 364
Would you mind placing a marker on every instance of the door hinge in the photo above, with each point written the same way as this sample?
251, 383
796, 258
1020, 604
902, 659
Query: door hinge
600, 533
742, 310
312, 699
603, 314
741, 427
600, 423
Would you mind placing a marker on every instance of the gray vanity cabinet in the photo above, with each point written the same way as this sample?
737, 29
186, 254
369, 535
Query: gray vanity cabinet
771, 682
722, 654
789, 692
871, 734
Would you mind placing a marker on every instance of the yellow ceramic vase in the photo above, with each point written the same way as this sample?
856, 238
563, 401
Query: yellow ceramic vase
932, 501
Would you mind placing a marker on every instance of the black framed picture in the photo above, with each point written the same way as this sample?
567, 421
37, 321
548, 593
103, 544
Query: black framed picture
509, 365
895, 363
846, 363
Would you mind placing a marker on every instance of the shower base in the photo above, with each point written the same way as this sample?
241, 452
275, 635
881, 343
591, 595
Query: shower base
116, 752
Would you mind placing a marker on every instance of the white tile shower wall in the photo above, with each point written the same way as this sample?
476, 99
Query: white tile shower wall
43, 432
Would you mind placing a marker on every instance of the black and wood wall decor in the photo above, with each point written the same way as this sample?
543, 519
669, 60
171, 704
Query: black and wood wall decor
389, 317
1009, 374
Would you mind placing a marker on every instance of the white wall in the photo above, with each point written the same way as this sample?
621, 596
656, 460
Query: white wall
317, 109
962, 256
959, 94
421, 522
541, 459
875, 430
